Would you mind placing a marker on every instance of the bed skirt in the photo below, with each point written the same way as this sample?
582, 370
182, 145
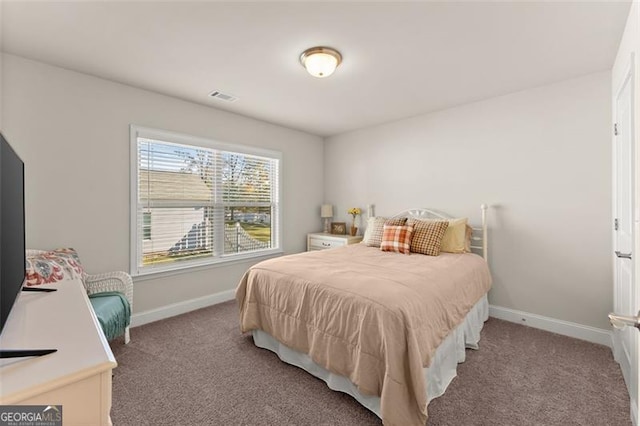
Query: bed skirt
438, 375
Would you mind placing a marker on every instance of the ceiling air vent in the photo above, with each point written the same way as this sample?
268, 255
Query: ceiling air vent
223, 96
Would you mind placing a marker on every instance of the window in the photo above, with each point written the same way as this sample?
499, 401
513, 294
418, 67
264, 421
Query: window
206, 202
146, 225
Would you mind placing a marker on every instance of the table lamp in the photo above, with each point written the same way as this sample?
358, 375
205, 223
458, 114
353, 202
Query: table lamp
326, 212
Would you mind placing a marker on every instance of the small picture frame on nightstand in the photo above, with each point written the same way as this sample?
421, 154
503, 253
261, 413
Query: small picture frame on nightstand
339, 228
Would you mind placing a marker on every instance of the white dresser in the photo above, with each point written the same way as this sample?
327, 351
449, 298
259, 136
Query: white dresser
78, 376
322, 241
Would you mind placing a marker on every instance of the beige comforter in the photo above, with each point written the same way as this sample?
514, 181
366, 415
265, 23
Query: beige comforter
372, 316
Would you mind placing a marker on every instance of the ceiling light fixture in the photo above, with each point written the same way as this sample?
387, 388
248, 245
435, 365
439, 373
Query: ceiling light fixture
320, 61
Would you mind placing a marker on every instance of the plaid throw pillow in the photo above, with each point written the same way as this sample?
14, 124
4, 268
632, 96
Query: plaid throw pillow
427, 236
373, 238
396, 239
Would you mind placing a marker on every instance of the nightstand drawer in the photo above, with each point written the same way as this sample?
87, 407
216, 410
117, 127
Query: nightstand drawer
324, 243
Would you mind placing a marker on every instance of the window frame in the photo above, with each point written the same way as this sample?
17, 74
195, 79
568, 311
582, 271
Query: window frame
136, 232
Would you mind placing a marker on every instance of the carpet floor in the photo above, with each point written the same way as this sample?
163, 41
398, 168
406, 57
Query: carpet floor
197, 369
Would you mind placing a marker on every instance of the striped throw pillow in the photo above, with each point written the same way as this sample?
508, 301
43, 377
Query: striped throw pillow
396, 239
427, 236
375, 226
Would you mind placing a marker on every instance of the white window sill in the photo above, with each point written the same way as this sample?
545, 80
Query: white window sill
151, 274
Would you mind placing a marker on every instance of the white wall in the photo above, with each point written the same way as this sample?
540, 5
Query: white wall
72, 131
541, 157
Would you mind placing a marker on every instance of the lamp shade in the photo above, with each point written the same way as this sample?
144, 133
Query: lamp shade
326, 210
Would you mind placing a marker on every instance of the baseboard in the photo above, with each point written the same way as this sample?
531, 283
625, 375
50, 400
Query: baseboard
634, 412
181, 307
566, 328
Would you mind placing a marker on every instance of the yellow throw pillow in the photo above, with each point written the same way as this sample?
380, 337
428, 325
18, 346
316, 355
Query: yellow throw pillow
467, 239
454, 240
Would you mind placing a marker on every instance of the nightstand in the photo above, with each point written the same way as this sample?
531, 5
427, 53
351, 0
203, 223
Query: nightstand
322, 241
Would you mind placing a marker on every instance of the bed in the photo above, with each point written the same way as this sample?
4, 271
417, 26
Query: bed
386, 328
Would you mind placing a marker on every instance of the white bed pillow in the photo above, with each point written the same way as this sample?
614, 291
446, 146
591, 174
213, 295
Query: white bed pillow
369, 230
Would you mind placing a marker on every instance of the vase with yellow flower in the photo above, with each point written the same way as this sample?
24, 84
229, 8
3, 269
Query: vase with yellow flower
354, 212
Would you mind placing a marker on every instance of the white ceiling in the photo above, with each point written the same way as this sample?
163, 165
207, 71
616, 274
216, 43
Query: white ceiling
400, 59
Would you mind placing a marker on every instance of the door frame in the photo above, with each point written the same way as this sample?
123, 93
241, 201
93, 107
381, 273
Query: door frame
634, 370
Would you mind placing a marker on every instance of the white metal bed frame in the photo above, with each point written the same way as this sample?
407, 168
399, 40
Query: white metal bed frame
479, 239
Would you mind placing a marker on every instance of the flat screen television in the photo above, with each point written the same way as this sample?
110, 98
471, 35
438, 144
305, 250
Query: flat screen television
12, 243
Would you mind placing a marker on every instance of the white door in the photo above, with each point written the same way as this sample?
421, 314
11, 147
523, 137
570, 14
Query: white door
625, 339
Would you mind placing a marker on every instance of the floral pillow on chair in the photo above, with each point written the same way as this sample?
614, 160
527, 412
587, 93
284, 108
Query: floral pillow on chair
48, 267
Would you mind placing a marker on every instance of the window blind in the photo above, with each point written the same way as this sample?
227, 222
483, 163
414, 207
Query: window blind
198, 203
